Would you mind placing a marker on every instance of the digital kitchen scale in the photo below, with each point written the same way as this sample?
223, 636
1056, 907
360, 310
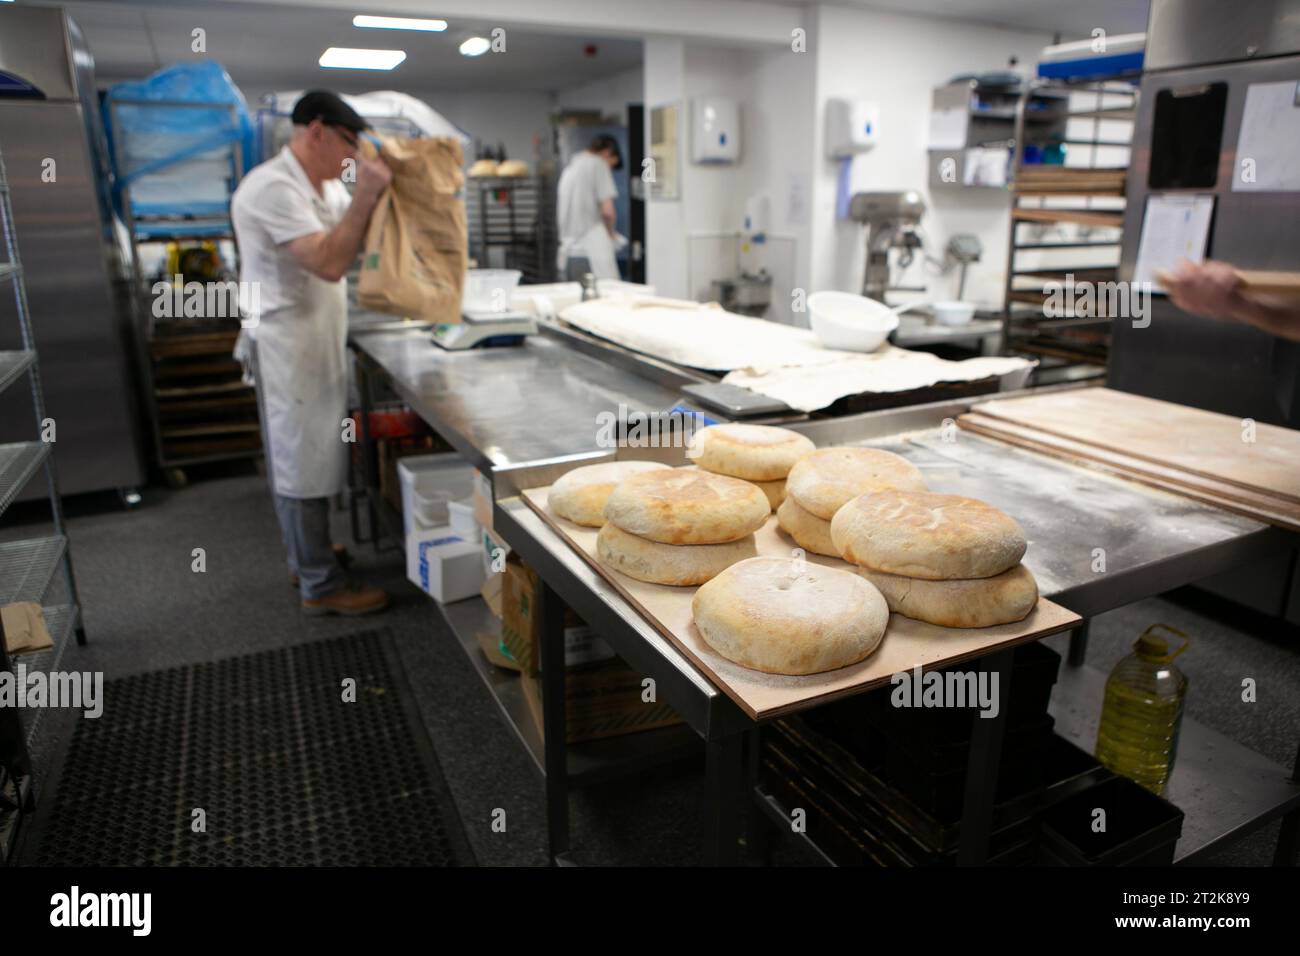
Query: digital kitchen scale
484, 330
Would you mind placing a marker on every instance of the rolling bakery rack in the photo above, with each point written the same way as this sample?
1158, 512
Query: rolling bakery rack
31, 569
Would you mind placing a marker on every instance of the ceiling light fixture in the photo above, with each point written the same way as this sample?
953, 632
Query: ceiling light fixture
475, 46
368, 22
350, 58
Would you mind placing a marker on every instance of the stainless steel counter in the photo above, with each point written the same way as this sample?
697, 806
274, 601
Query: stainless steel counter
505, 406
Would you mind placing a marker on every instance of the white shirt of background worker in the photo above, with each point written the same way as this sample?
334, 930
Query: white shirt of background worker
298, 234
585, 212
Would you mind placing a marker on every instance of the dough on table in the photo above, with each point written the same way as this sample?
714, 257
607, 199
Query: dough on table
753, 452
687, 506
784, 616
970, 602
809, 531
675, 564
580, 495
827, 478
927, 535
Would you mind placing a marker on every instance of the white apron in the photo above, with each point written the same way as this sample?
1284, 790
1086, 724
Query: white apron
302, 382
597, 248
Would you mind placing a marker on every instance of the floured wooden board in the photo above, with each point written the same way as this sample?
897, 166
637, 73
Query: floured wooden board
1203, 443
1270, 509
907, 643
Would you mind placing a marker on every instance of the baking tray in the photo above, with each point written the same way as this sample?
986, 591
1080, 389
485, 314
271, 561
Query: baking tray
907, 643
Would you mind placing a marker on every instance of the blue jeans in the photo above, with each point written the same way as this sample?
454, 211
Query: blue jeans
305, 525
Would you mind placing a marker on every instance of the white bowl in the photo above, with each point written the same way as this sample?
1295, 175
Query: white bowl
489, 290
953, 313
842, 320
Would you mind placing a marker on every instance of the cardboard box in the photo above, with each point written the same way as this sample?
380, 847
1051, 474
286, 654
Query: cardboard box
482, 499
601, 700
492, 544
491, 593
521, 625
443, 564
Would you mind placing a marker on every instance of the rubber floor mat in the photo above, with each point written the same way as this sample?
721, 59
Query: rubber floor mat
256, 761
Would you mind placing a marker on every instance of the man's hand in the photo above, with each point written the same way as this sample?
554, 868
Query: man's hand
373, 177
1214, 290
1211, 289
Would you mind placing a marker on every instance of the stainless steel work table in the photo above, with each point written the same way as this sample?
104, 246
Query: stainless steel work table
525, 415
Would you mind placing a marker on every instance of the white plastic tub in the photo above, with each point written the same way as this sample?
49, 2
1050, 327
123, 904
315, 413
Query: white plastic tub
489, 290
429, 484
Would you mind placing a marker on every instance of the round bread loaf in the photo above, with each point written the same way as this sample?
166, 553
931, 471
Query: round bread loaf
775, 491
580, 495
687, 506
824, 480
752, 452
972, 602
676, 564
920, 534
809, 531
782, 616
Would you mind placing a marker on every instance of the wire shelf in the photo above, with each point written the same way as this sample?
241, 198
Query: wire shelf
27, 567
18, 462
12, 366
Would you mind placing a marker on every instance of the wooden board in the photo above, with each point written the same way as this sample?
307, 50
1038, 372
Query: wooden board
1175, 436
1271, 512
1281, 284
907, 643
1175, 478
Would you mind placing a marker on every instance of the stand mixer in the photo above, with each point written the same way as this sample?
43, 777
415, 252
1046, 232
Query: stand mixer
891, 219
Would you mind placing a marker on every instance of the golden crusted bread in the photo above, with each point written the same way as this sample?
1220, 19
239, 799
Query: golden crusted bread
783, 616
927, 535
687, 506
809, 531
752, 452
675, 564
827, 478
970, 602
580, 495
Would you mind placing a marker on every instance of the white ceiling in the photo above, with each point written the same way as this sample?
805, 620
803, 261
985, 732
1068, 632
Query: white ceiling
276, 47
1074, 19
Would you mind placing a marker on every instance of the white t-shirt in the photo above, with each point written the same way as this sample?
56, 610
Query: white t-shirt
275, 204
585, 183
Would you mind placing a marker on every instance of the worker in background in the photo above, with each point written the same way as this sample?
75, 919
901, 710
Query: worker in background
299, 233
1213, 290
585, 212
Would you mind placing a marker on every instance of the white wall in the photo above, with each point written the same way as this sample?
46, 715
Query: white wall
514, 119
896, 60
665, 223
610, 96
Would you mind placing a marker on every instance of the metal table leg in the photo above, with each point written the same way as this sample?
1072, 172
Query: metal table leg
982, 767
1078, 645
722, 807
1287, 852
758, 836
553, 721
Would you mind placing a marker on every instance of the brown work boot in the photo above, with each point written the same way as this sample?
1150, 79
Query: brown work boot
350, 601
341, 555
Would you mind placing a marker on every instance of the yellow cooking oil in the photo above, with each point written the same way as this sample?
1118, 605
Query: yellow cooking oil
1138, 733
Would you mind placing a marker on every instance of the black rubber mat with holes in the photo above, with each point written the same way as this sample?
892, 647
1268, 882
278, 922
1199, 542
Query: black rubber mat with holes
285, 771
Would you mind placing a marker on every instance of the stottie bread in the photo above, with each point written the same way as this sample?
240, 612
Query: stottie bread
675, 564
775, 491
926, 535
970, 602
809, 531
687, 506
580, 495
753, 452
783, 616
827, 478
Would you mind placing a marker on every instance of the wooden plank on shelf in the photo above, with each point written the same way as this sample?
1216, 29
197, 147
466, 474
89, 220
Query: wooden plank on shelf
221, 428
1081, 217
907, 643
189, 370
194, 391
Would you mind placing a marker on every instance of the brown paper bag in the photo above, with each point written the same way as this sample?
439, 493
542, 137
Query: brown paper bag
416, 245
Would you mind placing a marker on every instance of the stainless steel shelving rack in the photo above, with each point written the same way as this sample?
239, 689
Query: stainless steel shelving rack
517, 215
1067, 345
30, 568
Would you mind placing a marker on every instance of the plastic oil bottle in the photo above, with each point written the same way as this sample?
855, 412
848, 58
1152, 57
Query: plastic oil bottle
1138, 733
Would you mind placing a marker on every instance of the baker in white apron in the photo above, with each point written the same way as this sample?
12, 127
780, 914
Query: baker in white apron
298, 233
585, 212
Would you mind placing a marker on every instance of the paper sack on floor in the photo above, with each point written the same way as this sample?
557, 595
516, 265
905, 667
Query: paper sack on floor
416, 245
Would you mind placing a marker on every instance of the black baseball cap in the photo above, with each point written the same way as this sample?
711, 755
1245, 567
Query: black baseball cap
329, 108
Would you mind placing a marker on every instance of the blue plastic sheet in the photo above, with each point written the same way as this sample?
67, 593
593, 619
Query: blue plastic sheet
169, 147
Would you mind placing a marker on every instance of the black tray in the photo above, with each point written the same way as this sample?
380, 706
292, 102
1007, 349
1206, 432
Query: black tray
1141, 828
